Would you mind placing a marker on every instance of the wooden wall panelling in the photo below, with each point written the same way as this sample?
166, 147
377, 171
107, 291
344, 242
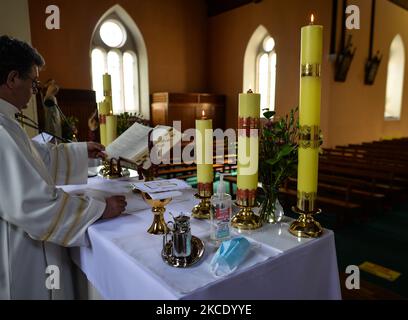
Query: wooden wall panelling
187, 107
184, 112
73, 102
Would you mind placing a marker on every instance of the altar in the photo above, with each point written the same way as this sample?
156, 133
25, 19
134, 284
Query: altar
123, 261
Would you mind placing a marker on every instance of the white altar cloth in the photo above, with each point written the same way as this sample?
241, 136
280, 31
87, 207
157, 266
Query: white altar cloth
124, 262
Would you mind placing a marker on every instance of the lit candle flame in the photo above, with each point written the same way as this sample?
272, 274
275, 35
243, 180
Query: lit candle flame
203, 117
311, 19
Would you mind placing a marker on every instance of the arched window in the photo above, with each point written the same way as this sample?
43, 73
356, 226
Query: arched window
260, 67
111, 49
395, 80
266, 73
117, 47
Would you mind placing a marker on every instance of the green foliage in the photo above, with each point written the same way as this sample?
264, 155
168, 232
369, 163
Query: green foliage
126, 120
278, 149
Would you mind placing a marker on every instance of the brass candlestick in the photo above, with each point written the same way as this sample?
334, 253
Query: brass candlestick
246, 219
112, 169
202, 210
305, 226
158, 226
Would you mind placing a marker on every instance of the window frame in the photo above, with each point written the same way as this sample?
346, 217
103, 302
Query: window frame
127, 46
390, 84
260, 53
121, 27
136, 84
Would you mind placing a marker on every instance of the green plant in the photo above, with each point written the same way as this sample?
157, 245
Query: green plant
278, 148
126, 120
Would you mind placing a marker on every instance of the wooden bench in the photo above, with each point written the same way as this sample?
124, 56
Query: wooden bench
398, 173
326, 201
383, 182
373, 152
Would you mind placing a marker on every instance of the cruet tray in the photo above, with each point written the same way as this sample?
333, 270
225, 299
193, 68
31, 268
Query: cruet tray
197, 251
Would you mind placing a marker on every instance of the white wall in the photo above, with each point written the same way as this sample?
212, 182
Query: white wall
15, 22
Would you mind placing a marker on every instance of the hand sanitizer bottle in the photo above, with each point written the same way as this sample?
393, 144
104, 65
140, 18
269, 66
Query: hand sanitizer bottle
220, 214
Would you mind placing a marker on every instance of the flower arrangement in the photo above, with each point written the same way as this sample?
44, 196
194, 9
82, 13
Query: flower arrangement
278, 158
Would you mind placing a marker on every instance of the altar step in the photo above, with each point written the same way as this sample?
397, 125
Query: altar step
367, 291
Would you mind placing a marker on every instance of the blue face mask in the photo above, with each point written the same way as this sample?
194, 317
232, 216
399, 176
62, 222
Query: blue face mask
229, 256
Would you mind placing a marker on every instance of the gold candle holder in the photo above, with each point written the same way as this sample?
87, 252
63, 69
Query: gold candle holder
112, 169
202, 210
246, 219
305, 226
158, 226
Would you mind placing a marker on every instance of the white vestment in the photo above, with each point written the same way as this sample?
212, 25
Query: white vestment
37, 220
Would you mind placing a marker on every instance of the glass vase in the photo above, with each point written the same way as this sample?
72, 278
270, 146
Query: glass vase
271, 210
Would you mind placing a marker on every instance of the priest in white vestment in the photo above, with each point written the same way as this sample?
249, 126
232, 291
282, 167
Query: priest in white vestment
37, 220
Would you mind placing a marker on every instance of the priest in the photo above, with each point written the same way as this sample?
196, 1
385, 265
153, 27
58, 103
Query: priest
37, 219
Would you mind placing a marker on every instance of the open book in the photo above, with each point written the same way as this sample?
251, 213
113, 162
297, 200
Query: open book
133, 143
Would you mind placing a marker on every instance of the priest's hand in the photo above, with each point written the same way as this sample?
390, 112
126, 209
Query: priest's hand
96, 150
115, 205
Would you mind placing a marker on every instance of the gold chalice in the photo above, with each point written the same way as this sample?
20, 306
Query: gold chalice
158, 226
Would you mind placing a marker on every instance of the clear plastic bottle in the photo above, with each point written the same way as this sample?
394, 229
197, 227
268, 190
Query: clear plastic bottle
220, 214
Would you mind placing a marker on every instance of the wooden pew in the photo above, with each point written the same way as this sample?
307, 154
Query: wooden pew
361, 151
399, 173
341, 206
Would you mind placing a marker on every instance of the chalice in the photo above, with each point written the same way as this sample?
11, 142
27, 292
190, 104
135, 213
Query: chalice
158, 226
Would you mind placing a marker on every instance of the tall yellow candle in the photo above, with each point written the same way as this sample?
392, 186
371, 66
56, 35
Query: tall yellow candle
108, 101
107, 90
103, 112
111, 128
107, 85
204, 151
248, 145
309, 113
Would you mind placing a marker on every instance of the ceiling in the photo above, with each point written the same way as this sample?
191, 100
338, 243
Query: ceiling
216, 7
401, 3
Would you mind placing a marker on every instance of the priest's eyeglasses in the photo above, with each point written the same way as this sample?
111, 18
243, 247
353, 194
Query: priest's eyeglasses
36, 84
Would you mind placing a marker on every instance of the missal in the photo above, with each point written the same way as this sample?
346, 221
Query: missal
133, 144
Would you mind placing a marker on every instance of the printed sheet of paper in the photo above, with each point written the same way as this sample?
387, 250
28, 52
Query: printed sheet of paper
162, 189
165, 195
